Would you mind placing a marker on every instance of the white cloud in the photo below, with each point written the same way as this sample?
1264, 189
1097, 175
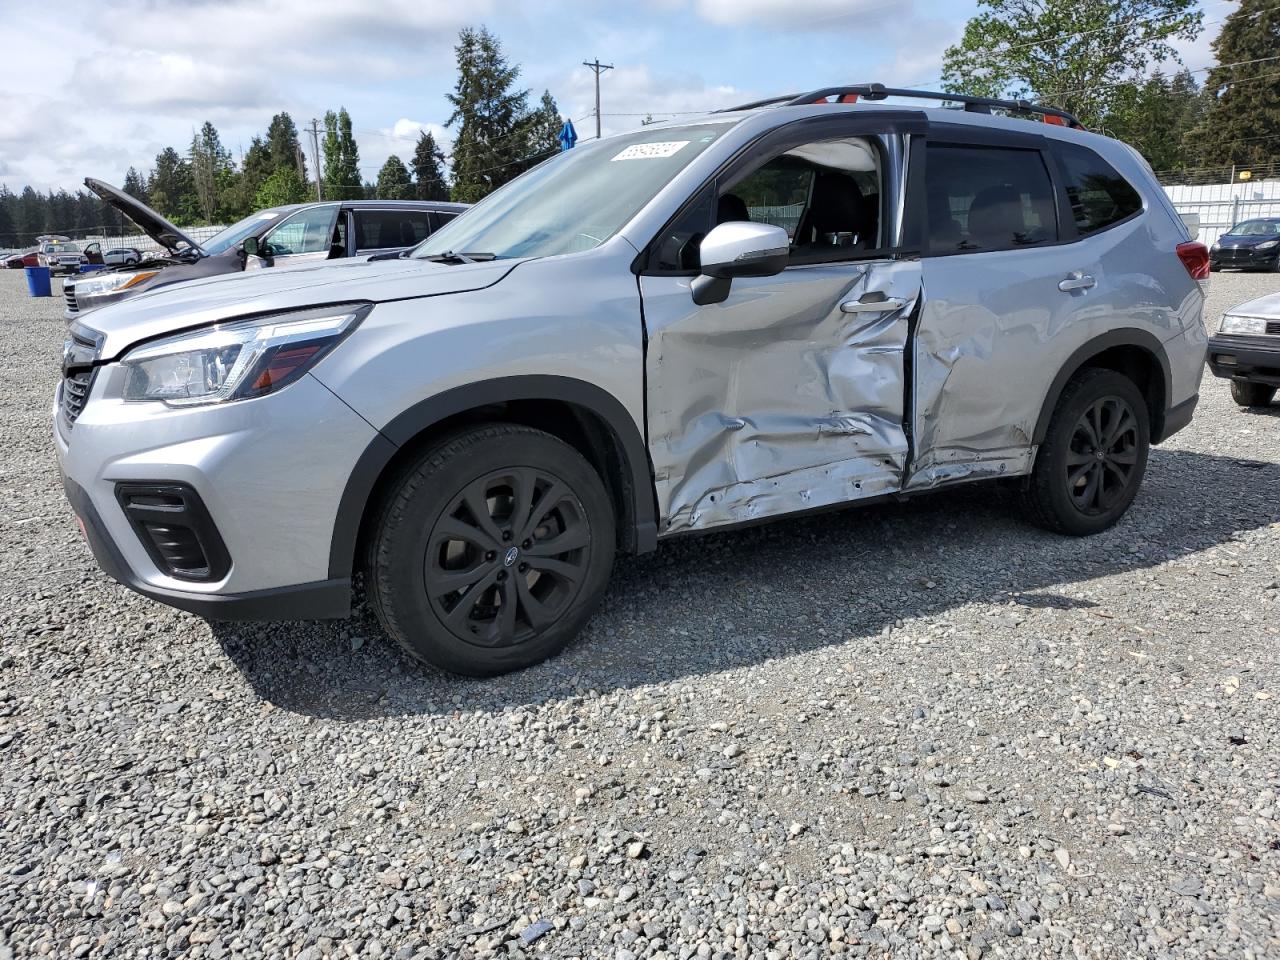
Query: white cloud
797, 14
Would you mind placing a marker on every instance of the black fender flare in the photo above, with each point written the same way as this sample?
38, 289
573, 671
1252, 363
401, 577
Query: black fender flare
1123, 337
425, 414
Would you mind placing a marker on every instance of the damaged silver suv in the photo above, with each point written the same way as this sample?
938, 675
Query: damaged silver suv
792, 305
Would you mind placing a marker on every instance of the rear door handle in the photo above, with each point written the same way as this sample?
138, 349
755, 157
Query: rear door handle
1077, 281
867, 305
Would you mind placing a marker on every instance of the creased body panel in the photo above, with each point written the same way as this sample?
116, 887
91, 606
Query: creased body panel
776, 400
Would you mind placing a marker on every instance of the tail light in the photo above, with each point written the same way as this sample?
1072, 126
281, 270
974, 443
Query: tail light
1195, 257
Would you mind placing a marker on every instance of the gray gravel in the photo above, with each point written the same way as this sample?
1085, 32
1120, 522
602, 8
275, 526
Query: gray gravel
913, 731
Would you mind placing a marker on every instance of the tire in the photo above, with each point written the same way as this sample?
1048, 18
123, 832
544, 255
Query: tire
464, 570
1249, 394
1214, 268
1080, 486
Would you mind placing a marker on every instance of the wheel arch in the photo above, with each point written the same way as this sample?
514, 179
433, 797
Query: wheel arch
1133, 352
582, 414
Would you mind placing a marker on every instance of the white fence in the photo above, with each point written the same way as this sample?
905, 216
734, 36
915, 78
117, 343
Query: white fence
140, 241
1221, 205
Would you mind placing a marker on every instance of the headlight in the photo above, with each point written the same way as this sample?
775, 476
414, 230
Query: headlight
111, 283
1216, 247
1232, 324
235, 361
1269, 245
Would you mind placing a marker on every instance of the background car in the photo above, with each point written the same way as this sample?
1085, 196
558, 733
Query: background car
122, 256
1246, 350
1252, 245
27, 258
281, 236
60, 256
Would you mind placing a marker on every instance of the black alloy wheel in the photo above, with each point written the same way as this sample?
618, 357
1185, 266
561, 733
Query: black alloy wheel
490, 550
1090, 465
507, 557
1104, 455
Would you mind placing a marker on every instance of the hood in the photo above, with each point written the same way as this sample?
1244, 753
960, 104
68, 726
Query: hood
197, 303
1240, 240
153, 225
1265, 306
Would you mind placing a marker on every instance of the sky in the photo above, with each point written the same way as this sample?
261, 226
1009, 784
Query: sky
101, 87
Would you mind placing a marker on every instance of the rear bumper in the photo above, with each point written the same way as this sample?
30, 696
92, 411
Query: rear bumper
1256, 359
306, 601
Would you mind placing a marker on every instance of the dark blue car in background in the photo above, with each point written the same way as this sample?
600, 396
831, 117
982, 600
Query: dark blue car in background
1252, 245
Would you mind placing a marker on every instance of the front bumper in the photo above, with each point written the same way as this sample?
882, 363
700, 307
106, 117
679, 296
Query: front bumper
1243, 257
269, 471
1252, 358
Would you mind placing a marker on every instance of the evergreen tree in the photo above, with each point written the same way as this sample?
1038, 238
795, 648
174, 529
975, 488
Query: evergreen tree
33, 215
285, 185
543, 129
428, 170
212, 172
282, 143
255, 167
341, 157
1155, 117
172, 189
134, 185
393, 180
490, 113
8, 230
1067, 53
1242, 120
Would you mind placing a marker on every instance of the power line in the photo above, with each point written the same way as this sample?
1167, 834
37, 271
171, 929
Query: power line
314, 130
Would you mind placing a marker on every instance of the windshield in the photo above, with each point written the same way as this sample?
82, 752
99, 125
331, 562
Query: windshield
576, 200
1257, 228
234, 235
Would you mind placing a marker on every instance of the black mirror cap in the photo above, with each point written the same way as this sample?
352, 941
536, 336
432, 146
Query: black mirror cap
250, 247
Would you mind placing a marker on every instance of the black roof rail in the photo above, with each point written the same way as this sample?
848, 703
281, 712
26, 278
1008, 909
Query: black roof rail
755, 104
878, 91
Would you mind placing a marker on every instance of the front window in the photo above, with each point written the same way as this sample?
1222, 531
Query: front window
61, 248
234, 235
1257, 228
307, 231
577, 200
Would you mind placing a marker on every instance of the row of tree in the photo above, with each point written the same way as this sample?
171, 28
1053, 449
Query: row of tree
498, 136
1095, 59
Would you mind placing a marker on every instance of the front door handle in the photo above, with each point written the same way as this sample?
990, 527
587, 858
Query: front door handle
868, 305
1077, 281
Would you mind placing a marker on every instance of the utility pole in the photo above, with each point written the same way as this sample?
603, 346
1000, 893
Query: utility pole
314, 130
598, 68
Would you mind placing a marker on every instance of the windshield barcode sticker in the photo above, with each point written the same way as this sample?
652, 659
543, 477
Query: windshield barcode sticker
651, 151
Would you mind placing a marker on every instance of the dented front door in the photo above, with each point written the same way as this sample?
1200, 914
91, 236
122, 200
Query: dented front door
787, 396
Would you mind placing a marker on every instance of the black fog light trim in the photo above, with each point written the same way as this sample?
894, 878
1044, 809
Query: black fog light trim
175, 528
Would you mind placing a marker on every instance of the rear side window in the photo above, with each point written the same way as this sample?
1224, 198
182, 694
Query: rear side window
1098, 195
384, 229
988, 198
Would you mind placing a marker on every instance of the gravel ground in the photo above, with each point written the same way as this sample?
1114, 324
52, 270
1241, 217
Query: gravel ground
925, 730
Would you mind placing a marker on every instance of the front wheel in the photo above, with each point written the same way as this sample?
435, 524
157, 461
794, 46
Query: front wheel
1249, 394
491, 551
1093, 457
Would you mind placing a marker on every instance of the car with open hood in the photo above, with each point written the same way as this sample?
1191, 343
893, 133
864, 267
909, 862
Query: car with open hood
793, 305
276, 237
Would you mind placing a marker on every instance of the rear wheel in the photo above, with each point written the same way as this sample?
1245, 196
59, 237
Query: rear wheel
1091, 463
492, 550
1249, 394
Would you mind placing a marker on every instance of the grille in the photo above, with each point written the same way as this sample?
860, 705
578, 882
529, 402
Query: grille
69, 294
1273, 326
75, 389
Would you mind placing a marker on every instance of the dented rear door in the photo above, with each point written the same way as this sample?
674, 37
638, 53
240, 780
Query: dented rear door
783, 397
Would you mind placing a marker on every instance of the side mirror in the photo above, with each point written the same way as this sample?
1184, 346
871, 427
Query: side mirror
250, 247
739, 248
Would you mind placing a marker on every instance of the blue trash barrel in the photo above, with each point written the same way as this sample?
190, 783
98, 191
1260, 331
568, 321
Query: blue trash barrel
90, 267
39, 283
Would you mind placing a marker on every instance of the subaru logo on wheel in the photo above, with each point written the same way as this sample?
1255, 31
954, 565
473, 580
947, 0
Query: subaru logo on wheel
510, 558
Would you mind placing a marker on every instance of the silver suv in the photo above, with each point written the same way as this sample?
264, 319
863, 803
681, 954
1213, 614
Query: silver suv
789, 306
